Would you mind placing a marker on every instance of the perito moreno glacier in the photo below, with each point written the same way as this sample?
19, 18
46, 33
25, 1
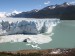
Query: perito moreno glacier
25, 29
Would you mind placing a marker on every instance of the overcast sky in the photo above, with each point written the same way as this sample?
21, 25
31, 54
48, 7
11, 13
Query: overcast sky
26, 5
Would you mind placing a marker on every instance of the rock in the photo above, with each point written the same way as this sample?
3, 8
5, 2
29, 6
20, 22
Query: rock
25, 40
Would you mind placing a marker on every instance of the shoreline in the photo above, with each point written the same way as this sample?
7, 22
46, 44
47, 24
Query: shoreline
45, 52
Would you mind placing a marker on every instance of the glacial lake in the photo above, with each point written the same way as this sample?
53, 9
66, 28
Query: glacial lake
64, 37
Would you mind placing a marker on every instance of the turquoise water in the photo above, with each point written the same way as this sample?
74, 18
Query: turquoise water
64, 37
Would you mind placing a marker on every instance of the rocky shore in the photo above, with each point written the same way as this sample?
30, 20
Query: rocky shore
48, 52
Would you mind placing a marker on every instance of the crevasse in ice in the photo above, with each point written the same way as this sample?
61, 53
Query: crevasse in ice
35, 26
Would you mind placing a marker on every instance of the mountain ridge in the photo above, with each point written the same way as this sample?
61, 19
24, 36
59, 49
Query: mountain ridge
63, 11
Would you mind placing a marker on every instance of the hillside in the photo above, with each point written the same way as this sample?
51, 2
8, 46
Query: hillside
63, 11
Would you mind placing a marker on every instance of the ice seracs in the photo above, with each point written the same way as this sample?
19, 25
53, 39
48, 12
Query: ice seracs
27, 27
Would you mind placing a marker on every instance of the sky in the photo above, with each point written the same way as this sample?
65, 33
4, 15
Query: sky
27, 5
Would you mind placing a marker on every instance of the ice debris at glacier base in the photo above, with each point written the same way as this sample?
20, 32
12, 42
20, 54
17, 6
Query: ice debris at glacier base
33, 40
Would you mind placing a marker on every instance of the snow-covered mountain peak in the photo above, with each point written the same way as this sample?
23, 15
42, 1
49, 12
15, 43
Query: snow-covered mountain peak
15, 12
51, 7
34, 10
5, 14
66, 4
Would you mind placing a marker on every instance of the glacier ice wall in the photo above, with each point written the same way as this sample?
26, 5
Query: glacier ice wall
17, 28
25, 26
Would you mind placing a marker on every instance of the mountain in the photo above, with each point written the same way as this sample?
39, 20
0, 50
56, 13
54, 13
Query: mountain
63, 11
5, 14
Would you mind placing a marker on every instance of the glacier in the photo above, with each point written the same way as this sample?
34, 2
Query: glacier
35, 26
35, 31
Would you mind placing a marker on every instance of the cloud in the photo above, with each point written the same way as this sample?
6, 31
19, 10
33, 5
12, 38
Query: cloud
73, 2
5, 14
13, 13
2, 14
48, 2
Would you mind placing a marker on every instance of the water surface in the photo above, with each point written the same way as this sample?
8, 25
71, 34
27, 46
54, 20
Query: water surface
64, 37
